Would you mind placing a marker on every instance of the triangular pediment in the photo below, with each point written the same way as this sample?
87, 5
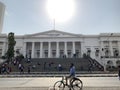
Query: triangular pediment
53, 33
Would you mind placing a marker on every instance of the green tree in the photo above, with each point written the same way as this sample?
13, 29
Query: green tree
11, 44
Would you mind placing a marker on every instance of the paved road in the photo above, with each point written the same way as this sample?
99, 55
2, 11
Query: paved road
45, 83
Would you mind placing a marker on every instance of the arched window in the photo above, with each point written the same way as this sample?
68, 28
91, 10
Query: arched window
97, 53
106, 53
110, 63
88, 52
118, 63
116, 53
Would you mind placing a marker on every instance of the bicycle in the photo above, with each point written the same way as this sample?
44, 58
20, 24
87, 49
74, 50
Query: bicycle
76, 84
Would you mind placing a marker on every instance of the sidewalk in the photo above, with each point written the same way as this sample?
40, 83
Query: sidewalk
45, 88
46, 83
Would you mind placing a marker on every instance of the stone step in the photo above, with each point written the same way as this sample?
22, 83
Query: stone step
57, 75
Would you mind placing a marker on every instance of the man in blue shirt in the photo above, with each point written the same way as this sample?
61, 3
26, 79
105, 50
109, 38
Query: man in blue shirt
71, 72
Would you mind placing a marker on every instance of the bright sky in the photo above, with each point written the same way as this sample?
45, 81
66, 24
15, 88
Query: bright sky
90, 17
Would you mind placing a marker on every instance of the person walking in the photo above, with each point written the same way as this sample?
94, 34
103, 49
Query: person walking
28, 69
119, 72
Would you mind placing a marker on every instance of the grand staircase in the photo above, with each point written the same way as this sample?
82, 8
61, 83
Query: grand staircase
51, 64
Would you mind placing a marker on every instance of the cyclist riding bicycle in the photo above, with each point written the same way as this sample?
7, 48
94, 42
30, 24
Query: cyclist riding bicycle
72, 73
73, 84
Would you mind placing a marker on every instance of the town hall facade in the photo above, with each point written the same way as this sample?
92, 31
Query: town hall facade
58, 44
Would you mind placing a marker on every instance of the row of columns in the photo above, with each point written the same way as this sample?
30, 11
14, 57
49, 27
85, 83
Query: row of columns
49, 49
57, 48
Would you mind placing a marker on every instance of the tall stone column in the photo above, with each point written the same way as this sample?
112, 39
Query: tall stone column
49, 49
119, 47
65, 48
102, 51
57, 49
41, 49
3, 48
92, 52
82, 48
33, 48
24, 49
73, 47
80, 53
111, 48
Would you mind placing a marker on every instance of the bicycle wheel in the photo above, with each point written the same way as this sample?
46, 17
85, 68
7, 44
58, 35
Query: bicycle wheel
77, 84
59, 85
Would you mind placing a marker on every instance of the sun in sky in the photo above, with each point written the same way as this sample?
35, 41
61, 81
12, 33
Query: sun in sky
60, 10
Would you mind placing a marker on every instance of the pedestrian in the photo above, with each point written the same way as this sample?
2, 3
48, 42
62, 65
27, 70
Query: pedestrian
0, 70
28, 69
22, 69
44, 65
59, 67
119, 72
19, 66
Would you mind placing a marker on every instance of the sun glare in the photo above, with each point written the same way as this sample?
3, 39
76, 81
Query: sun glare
61, 10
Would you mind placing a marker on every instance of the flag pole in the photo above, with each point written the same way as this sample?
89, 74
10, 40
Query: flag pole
54, 24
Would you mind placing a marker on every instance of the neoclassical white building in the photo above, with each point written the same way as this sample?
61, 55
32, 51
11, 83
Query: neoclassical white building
55, 44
